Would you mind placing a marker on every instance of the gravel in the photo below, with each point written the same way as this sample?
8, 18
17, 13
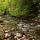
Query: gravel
16, 29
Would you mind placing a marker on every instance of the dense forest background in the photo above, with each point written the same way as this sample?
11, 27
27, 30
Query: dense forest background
19, 8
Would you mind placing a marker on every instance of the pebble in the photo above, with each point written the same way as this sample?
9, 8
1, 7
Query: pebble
5, 21
18, 35
23, 26
38, 25
7, 33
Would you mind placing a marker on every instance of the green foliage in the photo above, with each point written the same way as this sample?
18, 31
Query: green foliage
3, 5
19, 8
23, 7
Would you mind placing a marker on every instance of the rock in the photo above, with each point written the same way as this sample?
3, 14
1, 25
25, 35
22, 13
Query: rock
18, 34
7, 34
6, 31
23, 26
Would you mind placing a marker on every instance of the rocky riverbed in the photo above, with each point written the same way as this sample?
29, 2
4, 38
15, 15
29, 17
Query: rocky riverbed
12, 28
